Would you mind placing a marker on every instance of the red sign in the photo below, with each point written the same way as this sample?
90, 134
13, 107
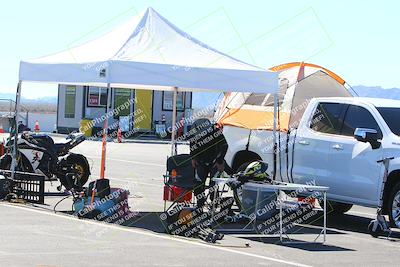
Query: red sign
94, 100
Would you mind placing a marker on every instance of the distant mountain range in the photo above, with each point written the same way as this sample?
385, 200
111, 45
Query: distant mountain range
201, 100
42, 100
377, 91
42, 105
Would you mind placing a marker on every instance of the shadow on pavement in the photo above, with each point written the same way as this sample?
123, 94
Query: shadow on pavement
299, 244
351, 223
148, 221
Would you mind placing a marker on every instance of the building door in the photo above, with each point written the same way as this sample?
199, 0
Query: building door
143, 109
123, 108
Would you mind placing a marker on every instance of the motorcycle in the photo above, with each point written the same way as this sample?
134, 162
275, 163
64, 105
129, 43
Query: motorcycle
37, 153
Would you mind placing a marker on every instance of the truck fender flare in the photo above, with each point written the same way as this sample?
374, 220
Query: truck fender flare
393, 178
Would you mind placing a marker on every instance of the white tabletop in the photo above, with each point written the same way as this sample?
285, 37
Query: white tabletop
288, 186
275, 185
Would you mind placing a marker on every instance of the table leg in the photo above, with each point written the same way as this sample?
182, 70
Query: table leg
324, 216
280, 216
256, 209
213, 204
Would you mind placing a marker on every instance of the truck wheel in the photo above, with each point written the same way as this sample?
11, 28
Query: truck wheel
394, 206
336, 208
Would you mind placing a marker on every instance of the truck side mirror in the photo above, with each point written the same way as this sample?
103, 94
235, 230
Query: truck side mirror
366, 135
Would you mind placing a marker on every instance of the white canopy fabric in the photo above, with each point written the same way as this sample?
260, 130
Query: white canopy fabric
149, 52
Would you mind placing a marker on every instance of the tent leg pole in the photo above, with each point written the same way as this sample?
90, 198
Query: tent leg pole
274, 134
105, 133
15, 134
174, 128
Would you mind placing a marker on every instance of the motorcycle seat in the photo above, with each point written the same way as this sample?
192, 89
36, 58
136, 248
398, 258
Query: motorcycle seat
43, 140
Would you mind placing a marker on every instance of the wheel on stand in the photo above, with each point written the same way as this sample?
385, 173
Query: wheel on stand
80, 169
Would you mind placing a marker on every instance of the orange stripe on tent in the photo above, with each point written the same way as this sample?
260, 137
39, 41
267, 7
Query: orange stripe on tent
300, 75
254, 119
297, 64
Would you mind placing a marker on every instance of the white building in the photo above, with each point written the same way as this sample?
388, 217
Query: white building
88, 102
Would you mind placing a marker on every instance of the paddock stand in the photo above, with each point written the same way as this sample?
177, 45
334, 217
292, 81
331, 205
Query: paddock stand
379, 226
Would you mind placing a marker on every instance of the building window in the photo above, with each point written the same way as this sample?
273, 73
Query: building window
70, 95
97, 97
122, 103
168, 98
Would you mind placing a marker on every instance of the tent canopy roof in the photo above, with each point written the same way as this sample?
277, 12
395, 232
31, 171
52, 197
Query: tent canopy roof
299, 82
149, 51
296, 65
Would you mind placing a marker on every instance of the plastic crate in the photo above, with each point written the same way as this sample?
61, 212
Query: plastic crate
28, 186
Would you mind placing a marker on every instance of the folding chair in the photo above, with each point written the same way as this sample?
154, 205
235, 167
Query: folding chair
179, 181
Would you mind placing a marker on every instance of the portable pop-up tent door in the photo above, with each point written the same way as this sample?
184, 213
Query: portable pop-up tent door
148, 52
299, 82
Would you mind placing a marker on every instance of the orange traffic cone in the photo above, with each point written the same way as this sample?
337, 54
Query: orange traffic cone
1, 128
119, 135
37, 129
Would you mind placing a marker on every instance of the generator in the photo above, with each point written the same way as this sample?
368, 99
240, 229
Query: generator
101, 202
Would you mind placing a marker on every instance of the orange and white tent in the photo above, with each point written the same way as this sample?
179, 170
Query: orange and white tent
299, 82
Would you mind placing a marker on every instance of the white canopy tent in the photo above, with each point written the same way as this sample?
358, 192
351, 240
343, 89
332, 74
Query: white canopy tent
148, 52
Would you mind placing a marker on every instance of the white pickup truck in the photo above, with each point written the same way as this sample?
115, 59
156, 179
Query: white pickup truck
338, 143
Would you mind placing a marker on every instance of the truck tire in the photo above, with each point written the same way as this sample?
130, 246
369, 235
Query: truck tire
336, 208
394, 206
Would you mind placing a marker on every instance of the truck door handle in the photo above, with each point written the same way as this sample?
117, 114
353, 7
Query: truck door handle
337, 147
304, 142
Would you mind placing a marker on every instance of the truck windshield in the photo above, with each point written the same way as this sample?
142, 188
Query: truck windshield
391, 116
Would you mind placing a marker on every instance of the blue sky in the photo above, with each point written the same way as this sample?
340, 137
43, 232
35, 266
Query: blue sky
359, 40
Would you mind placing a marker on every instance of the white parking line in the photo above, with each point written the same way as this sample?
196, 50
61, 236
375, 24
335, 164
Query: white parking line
161, 236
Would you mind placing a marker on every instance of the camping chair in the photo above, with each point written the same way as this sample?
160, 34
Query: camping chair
179, 181
179, 184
